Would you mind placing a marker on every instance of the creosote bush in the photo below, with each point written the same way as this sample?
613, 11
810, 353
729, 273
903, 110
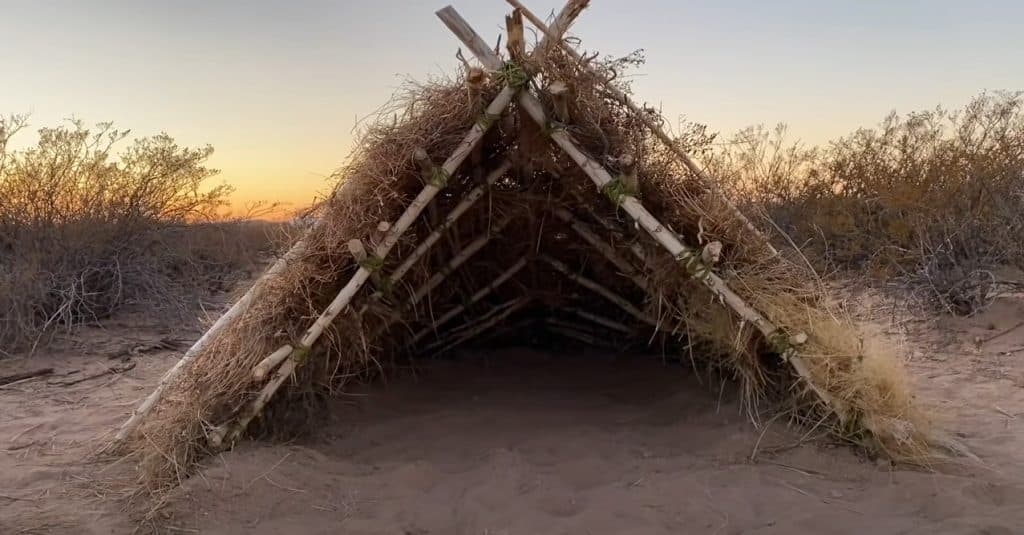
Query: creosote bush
934, 199
85, 230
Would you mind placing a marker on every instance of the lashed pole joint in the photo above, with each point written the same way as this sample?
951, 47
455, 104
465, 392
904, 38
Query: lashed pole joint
640, 114
781, 341
226, 434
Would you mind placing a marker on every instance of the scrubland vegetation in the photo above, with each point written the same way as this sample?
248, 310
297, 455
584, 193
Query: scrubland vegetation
91, 222
932, 201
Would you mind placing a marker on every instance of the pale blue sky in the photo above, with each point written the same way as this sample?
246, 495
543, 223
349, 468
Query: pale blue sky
277, 86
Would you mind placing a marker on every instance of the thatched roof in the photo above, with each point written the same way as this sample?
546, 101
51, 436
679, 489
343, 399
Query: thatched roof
527, 195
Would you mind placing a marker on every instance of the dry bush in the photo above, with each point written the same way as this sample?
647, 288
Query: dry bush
934, 199
84, 231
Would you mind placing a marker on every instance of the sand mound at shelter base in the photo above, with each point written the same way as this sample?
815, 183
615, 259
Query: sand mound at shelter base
529, 195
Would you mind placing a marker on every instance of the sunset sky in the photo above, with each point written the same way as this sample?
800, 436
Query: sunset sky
277, 87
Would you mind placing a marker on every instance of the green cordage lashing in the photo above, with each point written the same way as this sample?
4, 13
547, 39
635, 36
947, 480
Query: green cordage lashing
300, 354
618, 189
487, 120
779, 342
551, 127
372, 263
513, 75
439, 177
691, 262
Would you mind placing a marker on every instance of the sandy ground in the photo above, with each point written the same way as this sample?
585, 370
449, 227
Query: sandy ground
523, 442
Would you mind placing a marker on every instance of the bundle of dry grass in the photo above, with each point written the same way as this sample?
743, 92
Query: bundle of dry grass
411, 257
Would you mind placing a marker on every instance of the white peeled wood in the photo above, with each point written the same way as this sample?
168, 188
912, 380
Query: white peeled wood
268, 364
603, 321
455, 332
465, 204
465, 254
597, 288
563, 20
236, 310
580, 336
509, 309
604, 248
477, 296
667, 239
227, 433
662, 136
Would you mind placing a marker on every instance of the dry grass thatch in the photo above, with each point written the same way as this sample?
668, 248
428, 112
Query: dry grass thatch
854, 387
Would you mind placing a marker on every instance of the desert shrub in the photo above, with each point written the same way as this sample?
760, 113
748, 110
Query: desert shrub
934, 199
84, 231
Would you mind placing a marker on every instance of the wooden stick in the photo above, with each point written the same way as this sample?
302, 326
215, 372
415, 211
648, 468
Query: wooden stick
15, 377
465, 254
603, 321
577, 326
580, 336
268, 364
628, 172
473, 322
597, 288
465, 204
624, 99
568, 14
477, 296
516, 40
559, 92
683, 253
228, 433
235, 311
511, 309
604, 248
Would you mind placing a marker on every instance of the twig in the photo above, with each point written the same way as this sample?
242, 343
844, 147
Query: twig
18, 377
1003, 333
113, 369
1004, 412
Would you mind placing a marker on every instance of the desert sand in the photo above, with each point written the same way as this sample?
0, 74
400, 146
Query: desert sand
524, 441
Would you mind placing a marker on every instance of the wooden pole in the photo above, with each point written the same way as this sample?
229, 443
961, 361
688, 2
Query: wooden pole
580, 336
568, 14
473, 322
465, 254
597, 288
667, 140
604, 248
684, 254
268, 364
516, 43
465, 204
226, 435
477, 296
510, 309
603, 321
232, 313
